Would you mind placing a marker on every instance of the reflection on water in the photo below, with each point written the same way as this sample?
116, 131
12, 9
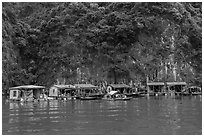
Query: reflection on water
153, 115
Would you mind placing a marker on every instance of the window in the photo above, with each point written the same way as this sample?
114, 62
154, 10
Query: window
14, 93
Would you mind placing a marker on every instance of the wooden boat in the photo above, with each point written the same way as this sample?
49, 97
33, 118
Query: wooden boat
142, 94
196, 93
108, 96
114, 96
186, 93
98, 96
151, 94
194, 90
121, 97
135, 95
88, 98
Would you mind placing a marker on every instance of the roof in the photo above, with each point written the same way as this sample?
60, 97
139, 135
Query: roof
155, 84
64, 86
28, 87
176, 83
168, 83
85, 86
119, 86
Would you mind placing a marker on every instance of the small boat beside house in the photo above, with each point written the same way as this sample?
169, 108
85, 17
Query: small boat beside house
121, 97
115, 95
88, 98
110, 95
27, 93
193, 90
122, 89
141, 92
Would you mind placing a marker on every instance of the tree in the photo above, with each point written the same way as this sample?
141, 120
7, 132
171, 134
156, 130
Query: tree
46, 43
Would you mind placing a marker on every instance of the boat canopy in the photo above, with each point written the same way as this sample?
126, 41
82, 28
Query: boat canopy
85, 86
64, 86
119, 86
28, 87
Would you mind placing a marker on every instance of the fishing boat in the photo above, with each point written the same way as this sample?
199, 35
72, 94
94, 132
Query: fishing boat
110, 95
88, 98
194, 90
121, 97
114, 95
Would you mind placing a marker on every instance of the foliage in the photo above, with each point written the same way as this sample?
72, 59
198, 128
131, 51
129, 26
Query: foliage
45, 43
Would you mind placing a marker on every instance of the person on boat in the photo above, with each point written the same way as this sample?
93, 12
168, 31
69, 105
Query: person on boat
124, 91
41, 95
45, 96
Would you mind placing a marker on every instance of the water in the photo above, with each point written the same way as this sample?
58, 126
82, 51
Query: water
153, 115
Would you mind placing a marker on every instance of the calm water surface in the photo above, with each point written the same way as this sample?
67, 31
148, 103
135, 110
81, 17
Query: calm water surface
153, 115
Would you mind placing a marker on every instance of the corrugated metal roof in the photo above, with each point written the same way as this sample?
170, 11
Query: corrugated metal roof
88, 86
64, 86
168, 83
176, 83
119, 86
28, 87
155, 83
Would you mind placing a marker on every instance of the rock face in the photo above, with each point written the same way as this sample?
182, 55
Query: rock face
68, 43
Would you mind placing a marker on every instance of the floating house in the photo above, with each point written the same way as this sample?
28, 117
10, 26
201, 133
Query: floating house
26, 92
176, 86
86, 90
62, 92
155, 87
159, 87
122, 88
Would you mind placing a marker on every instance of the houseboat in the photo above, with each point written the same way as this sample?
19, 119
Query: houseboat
122, 89
27, 93
87, 92
141, 92
176, 88
63, 92
158, 88
155, 88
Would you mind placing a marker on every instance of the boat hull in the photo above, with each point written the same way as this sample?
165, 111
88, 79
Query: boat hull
123, 99
88, 98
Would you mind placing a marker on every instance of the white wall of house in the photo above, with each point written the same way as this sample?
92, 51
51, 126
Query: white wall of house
53, 92
14, 94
